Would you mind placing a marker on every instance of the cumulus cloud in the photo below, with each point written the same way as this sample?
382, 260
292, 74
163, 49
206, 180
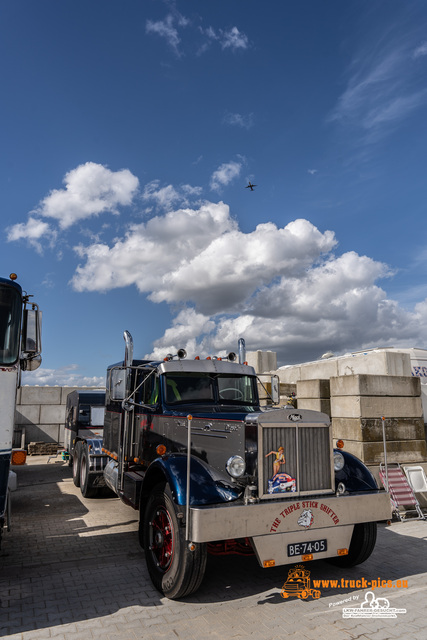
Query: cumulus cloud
333, 306
280, 288
32, 230
90, 189
225, 173
201, 256
151, 251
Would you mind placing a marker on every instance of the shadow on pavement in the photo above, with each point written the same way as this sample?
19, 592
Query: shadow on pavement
69, 559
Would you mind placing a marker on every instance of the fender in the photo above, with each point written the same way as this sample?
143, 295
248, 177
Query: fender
207, 486
355, 475
97, 460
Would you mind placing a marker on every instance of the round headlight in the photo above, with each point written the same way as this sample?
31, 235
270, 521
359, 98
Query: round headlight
236, 466
338, 461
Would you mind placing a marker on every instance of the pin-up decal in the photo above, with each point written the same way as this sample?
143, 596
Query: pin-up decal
280, 482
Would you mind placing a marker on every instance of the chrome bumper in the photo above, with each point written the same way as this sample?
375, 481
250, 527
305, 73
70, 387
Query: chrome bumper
225, 521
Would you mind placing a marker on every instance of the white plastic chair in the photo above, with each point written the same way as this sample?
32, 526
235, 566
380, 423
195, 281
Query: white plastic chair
416, 478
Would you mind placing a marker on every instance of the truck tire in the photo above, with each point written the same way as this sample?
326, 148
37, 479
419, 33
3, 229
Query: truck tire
175, 570
76, 463
86, 479
361, 546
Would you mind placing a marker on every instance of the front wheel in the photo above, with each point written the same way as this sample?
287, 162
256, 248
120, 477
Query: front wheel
361, 546
175, 569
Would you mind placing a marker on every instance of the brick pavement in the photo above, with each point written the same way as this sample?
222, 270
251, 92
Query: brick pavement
72, 569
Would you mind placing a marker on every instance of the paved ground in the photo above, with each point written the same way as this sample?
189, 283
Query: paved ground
72, 569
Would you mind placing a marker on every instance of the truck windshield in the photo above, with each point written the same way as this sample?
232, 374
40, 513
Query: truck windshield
10, 324
207, 388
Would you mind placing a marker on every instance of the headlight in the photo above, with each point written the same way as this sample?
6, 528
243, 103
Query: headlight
236, 466
338, 461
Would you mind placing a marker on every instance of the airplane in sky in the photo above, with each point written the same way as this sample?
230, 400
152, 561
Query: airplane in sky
251, 186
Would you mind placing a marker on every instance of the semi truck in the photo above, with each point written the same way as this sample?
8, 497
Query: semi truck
84, 419
186, 444
20, 349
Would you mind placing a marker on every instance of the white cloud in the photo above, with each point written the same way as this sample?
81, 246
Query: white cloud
166, 29
200, 255
279, 288
168, 196
68, 376
234, 39
239, 120
90, 189
151, 251
420, 51
225, 173
32, 231
382, 89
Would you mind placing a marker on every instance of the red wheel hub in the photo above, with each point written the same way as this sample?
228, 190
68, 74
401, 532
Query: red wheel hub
162, 538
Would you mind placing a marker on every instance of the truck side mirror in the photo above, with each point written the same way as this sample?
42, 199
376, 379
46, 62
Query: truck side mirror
117, 384
275, 389
31, 332
31, 339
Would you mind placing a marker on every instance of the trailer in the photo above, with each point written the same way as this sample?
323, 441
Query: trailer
187, 445
20, 349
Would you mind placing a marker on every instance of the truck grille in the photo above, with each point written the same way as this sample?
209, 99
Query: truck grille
295, 459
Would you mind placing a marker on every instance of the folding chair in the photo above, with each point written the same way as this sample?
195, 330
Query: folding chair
401, 493
416, 478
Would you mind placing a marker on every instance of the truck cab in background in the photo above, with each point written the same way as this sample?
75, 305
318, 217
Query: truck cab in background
20, 349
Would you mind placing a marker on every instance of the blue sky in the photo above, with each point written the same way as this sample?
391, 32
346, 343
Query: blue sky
128, 133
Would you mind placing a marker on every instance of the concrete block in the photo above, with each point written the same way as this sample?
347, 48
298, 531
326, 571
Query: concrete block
41, 395
319, 370
313, 389
375, 385
315, 404
375, 363
370, 429
375, 407
289, 375
52, 414
262, 361
27, 414
403, 452
44, 433
287, 389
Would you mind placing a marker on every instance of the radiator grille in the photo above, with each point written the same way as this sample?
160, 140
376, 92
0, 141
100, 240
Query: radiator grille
294, 460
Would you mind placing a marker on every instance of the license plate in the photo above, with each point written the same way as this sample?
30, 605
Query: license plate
301, 548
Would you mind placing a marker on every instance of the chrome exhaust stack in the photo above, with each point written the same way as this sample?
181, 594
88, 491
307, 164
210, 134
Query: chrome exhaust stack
242, 351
